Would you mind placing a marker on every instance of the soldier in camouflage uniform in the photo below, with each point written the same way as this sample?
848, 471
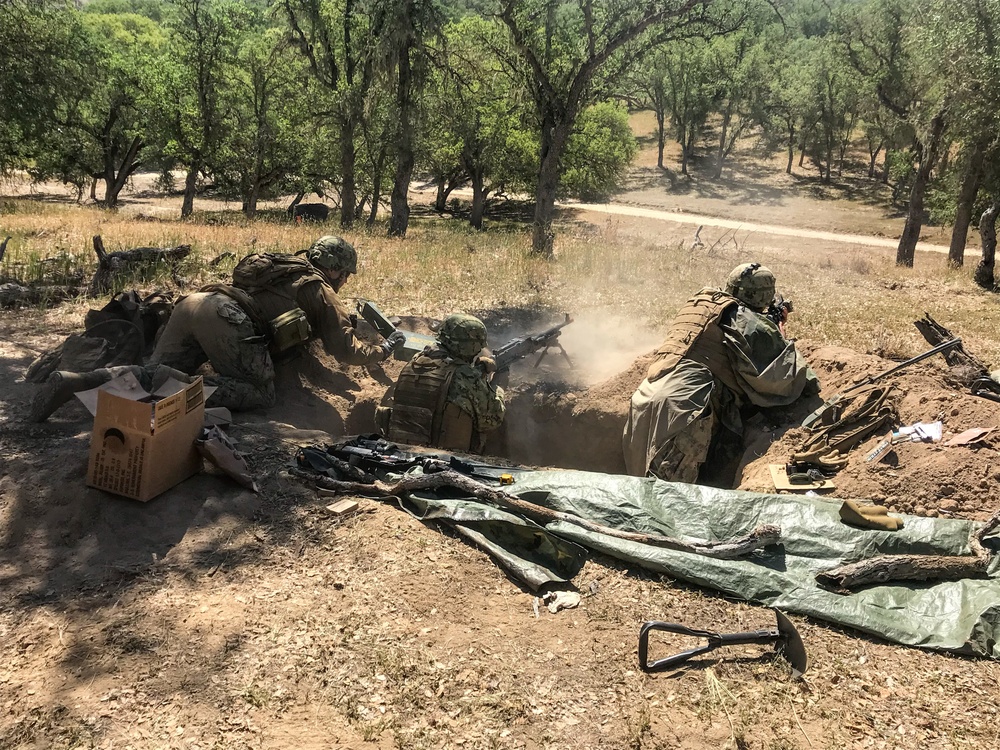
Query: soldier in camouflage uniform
276, 302
722, 358
444, 397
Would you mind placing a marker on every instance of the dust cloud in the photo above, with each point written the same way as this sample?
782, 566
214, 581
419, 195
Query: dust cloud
602, 345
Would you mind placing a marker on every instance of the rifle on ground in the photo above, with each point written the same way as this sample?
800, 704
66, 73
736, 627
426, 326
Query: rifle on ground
365, 459
522, 346
412, 342
829, 407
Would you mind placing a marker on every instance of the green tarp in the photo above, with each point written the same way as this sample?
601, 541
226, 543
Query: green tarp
959, 616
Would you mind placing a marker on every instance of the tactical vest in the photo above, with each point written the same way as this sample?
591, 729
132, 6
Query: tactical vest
696, 335
272, 281
421, 414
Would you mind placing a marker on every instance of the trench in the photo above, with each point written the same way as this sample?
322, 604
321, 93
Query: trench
553, 424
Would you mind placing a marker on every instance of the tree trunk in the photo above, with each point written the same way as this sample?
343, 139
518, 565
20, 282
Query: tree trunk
828, 175
915, 214
727, 117
791, 148
873, 157
661, 137
116, 182
478, 201
687, 146
554, 138
440, 198
988, 231
93, 189
398, 201
348, 158
376, 194
250, 205
295, 201
963, 210
190, 184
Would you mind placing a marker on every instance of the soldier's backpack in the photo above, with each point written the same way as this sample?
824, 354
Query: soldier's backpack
122, 332
267, 271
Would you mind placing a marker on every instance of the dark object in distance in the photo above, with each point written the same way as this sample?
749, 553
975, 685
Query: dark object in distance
311, 211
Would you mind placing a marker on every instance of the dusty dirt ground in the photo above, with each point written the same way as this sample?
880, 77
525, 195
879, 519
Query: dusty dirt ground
213, 617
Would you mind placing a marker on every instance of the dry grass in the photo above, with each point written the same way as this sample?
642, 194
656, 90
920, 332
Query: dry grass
852, 297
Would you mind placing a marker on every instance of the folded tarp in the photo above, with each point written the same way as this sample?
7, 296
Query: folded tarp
958, 616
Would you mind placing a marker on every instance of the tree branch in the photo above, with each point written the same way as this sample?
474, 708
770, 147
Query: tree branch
726, 550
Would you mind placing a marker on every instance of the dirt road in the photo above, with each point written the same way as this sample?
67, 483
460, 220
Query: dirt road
619, 209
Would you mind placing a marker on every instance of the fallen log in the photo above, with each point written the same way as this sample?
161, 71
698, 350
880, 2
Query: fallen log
112, 266
17, 295
886, 568
726, 550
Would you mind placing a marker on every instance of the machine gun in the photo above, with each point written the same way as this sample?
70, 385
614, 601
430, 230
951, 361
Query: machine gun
522, 346
412, 342
365, 458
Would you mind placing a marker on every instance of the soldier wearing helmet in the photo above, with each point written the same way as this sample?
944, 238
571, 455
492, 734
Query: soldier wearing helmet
275, 304
722, 358
444, 396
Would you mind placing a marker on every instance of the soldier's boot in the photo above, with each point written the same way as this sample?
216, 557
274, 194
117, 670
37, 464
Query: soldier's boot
157, 375
60, 387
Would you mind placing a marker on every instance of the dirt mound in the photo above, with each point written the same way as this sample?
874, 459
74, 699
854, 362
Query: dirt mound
920, 478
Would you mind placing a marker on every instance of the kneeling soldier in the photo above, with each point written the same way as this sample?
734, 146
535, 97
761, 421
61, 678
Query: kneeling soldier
444, 397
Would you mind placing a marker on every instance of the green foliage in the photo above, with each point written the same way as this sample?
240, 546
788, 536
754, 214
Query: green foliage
151, 9
102, 95
268, 119
599, 151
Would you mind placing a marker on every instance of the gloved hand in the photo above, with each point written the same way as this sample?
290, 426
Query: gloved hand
485, 362
390, 344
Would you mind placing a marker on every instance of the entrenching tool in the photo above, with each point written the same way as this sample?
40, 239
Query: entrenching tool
785, 638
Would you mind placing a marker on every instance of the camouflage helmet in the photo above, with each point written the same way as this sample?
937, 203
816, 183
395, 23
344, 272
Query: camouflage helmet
462, 336
333, 254
752, 284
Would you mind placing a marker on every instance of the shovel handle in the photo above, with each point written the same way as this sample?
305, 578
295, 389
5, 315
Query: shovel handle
750, 636
670, 662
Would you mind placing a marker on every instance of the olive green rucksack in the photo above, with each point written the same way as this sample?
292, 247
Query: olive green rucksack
265, 271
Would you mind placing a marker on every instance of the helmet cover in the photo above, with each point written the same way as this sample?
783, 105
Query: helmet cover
462, 336
752, 284
333, 254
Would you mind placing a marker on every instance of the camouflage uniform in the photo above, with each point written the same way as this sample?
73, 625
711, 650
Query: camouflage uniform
720, 356
443, 397
212, 326
230, 327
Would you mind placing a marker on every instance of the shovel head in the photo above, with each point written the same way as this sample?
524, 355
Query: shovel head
791, 646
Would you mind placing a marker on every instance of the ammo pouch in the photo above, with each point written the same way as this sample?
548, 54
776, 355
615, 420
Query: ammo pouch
289, 330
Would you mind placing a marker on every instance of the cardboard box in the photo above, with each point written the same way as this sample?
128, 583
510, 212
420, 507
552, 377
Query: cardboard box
143, 443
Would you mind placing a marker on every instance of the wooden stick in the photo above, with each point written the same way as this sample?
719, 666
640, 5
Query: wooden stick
760, 537
885, 568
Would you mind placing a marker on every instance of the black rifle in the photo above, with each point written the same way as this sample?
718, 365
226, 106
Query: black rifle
362, 458
778, 310
522, 346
